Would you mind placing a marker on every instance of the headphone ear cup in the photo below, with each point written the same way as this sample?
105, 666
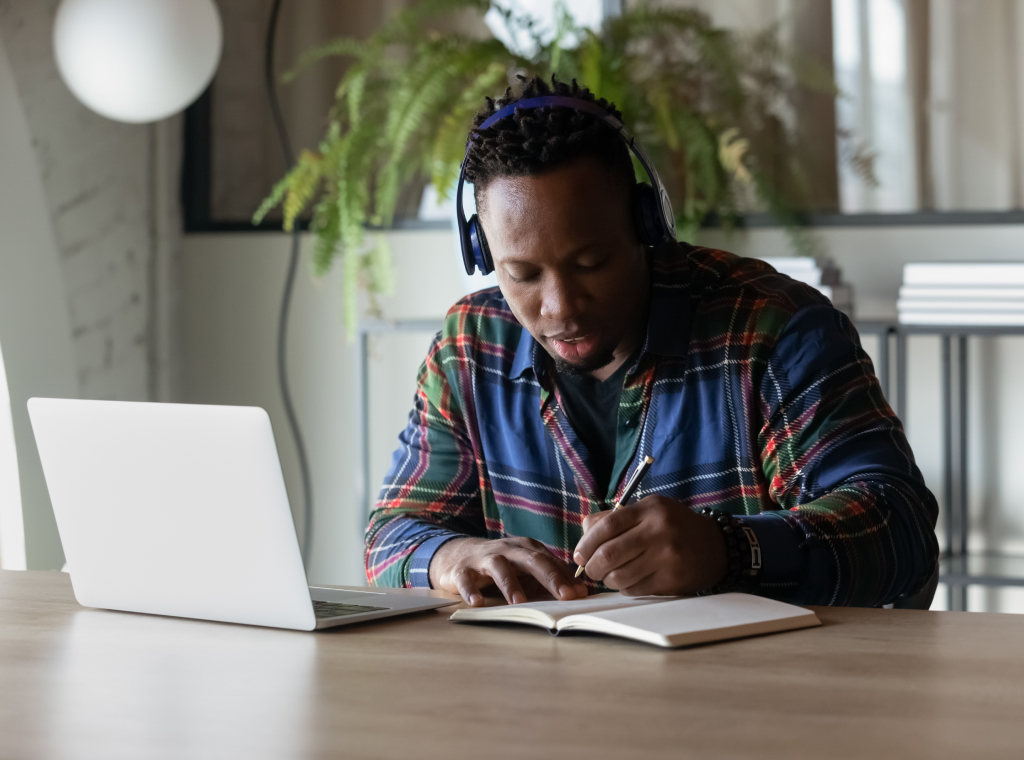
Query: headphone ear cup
468, 258
481, 251
647, 218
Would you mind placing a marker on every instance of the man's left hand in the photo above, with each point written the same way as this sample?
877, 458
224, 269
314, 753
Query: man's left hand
656, 546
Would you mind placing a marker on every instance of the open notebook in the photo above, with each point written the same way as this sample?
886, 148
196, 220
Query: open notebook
659, 620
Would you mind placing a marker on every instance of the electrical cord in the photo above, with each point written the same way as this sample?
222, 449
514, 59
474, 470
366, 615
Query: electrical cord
286, 300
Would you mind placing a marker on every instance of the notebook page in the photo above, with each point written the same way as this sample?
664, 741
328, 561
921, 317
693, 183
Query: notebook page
690, 621
552, 611
597, 603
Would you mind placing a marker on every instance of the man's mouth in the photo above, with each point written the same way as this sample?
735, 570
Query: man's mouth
577, 348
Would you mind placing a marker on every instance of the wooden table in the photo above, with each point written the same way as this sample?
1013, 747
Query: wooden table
868, 683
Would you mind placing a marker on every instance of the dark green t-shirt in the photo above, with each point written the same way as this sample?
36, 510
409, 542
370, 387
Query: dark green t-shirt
592, 407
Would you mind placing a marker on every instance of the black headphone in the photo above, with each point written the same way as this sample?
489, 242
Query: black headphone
652, 210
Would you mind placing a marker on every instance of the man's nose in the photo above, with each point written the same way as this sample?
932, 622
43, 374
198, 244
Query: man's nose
560, 300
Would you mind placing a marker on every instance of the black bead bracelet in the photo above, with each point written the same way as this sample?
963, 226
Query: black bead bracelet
743, 552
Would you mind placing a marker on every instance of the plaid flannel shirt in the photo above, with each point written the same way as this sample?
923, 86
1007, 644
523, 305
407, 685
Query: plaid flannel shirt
752, 392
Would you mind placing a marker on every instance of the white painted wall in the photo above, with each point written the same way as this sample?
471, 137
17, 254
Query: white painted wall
12, 522
99, 242
35, 328
231, 291
102, 183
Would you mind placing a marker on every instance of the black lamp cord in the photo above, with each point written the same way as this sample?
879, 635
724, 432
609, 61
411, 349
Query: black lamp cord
286, 299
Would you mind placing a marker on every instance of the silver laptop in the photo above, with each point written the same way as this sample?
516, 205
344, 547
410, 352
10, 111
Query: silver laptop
177, 509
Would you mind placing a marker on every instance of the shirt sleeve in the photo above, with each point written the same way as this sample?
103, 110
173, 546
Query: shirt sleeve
854, 523
431, 493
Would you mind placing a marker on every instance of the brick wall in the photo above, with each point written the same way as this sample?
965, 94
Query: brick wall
113, 205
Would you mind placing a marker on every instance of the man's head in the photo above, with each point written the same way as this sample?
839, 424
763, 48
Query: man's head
553, 189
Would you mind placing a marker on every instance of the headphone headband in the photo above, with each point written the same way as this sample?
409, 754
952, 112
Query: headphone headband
577, 104
543, 101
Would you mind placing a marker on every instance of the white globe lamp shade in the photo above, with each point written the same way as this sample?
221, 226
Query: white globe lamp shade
137, 61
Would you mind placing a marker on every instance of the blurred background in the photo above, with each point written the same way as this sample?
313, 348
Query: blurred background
866, 134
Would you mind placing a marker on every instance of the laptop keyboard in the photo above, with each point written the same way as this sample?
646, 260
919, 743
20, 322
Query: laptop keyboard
334, 609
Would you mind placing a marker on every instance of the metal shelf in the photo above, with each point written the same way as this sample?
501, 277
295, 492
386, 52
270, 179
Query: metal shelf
367, 328
958, 568
992, 570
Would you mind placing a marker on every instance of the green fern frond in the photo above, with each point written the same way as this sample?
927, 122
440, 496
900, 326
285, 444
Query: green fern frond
430, 91
387, 192
332, 137
406, 24
403, 108
660, 100
276, 194
327, 235
450, 142
350, 292
302, 184
345, 46
356, 90
590, 63
382, 278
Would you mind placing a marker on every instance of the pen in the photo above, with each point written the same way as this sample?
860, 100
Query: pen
628, 493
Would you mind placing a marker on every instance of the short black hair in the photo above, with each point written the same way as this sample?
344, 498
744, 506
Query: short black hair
537, 140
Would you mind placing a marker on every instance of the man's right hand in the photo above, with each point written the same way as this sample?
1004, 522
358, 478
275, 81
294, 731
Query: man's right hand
467, 565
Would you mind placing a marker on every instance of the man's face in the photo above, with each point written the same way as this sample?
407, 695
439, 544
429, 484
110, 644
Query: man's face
569, 263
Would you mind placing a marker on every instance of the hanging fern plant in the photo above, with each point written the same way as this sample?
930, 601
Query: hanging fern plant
710, 108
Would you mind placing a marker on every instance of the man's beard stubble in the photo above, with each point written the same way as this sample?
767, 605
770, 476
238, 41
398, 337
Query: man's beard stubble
602, 359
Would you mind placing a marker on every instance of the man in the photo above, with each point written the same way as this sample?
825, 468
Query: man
539, 398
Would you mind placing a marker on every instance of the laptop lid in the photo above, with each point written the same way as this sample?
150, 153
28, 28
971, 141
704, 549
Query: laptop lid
173, 509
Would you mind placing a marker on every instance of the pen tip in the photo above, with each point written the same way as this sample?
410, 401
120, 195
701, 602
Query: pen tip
579, 571
649, 460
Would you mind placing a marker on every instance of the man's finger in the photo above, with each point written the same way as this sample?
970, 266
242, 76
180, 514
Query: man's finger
505, 578
606, 529
644, 587
592, 519
630, 574
551, 573
615, 553
468, 583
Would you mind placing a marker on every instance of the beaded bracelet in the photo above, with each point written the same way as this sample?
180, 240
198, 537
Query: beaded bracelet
743, 552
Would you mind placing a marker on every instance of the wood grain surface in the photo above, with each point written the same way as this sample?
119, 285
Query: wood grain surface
78, 683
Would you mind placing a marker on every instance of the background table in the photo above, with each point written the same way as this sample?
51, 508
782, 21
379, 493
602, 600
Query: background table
869, 683
958, 567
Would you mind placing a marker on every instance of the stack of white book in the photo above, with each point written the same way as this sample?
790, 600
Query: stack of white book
962, 294
823, 275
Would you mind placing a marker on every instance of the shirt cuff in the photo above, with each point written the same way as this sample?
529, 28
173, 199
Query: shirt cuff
419, 563
783, 551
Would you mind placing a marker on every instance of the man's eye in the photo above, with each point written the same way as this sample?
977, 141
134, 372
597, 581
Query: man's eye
521, 276
589, 265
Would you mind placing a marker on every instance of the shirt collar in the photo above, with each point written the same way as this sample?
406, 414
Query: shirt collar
526, 356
